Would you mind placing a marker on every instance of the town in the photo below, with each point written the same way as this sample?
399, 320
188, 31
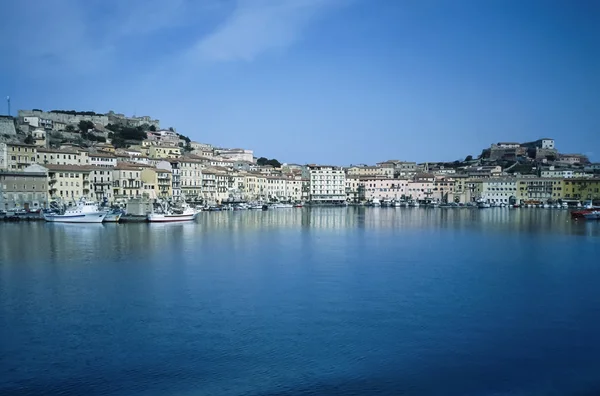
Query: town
62, 156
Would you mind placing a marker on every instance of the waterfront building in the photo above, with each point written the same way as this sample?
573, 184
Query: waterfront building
209, 185
127, 182
102, 183
69, 183
175, 166
360, 188
421, 187
499, 190
461, 191
444, 189
47, 156
19, 155
27, 189
327, 183
102, 159
539, 189
190, 175
222, 184
582, 189
157, 182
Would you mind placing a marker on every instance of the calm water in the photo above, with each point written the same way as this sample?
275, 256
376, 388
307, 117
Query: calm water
304, 302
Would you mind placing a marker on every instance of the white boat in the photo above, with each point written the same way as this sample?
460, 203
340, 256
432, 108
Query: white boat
397, 204
84, 212
256, 206
186, 214
281, 206
375, 202
413, 204
386, 202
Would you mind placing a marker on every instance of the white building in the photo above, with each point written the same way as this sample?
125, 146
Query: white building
547, 143
327, 183
501, 190
104, 160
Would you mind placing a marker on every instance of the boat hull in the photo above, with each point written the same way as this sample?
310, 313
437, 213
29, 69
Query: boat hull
112, 218
169, 218
97, 217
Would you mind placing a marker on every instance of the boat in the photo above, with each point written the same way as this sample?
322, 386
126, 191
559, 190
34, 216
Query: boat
592, 215
113, 216
255, 206
185, 213
386, 203
133, 218
83, 212
375, 202
298, 205
483, 205
413, 204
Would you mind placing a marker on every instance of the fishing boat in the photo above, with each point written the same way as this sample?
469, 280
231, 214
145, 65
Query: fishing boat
592, 215
113, 216
83, 212
185, 213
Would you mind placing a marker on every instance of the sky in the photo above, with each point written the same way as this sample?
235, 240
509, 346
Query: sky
318, 81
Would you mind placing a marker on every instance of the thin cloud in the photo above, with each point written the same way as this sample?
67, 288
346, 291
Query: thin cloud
255, 27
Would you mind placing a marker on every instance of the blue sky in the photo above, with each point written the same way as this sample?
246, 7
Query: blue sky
326, 81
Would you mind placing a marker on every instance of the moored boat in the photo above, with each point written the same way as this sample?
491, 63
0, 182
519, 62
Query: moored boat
592, 215
113, 216
171, 215
83, 212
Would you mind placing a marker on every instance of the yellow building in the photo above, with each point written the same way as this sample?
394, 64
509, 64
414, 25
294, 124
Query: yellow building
539, 189
157, 183
69, 183
164, 152
20, 156
582, 189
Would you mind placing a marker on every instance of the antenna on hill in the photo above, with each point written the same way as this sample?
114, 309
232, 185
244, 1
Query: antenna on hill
8, 104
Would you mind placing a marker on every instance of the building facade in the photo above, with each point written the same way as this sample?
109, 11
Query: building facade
327, 183
26, 189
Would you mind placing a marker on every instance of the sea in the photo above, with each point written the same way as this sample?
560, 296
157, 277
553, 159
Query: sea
323, 301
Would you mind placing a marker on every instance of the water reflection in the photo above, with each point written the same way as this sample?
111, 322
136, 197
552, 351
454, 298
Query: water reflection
76, 243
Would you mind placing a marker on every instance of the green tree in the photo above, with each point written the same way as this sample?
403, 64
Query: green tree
274, 163
85, 126
262, 161
29, 140
152, 128
70, 128
171, 129
469, 158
